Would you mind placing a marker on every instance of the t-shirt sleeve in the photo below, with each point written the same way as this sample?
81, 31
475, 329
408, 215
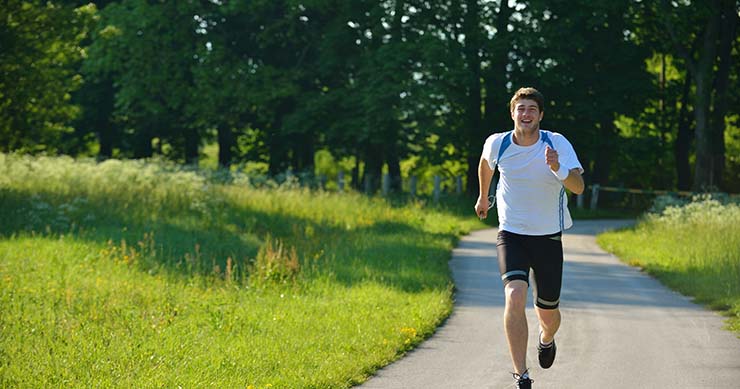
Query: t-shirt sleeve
567, 155
487, 153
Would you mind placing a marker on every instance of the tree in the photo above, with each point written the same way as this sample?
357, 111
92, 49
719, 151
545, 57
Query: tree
382, 78
702, 34
585, 58
151, 50
41, 48
280, 49
463, 72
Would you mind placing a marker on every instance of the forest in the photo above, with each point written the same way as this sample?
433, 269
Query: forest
647, 91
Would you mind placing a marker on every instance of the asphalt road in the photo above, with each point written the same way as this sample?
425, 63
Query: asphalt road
621, 329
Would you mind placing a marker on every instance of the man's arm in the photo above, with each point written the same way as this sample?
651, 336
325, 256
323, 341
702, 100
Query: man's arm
485, 174
574, 182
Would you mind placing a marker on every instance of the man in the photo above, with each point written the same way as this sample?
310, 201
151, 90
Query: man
535, 166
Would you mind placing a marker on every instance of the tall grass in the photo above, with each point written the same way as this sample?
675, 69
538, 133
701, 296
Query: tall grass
141, 274
692, 247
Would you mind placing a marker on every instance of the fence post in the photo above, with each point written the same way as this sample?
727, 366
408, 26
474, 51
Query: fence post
386, 184
437, 182
594, 196
458, 185
340, 181
412, 185
580, 199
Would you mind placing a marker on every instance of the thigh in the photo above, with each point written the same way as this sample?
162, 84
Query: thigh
547, 265
513, 257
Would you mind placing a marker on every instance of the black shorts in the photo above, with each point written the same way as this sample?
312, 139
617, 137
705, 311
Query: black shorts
543, 254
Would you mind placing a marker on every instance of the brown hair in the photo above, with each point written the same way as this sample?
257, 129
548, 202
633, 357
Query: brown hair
529, 94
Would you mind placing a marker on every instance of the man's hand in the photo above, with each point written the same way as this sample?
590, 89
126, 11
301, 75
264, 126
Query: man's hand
485, 174
551, 158
572, 180
481, 207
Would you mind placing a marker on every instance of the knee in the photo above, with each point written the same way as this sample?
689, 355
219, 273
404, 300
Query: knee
516, 294
549, 317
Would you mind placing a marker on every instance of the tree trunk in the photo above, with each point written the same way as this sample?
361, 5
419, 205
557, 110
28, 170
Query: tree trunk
682, 147
472, 186
373, 170
393, 125
705, 171
277, 143
105, 139
142, 146
701, 67
703, 177
278, 162
728, 31
356, 174
225, 146
192, 140
107, 130
303, 153
473, 113
394, 168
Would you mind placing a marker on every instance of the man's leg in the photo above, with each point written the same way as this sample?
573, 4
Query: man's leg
548, 274
549, 323
515, 323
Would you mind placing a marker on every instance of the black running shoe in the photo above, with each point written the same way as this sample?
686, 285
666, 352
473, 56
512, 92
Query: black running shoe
546, 355
523, 381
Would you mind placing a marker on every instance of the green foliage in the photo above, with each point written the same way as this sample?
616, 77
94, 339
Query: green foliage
41, 52
732, 143
402, 86
142, 274
586, 59
644, 160
692, 247
151, 50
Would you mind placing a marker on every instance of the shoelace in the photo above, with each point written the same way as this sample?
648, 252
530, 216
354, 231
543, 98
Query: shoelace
519, 377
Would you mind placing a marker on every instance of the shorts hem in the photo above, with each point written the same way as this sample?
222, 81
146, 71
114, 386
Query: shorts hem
544, 304
517, 277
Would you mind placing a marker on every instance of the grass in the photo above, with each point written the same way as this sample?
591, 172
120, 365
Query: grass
692, 248
134, 274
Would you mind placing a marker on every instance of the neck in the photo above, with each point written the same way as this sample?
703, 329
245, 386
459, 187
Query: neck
524, 137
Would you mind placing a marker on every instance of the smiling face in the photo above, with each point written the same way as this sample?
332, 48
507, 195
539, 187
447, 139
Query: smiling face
526, 115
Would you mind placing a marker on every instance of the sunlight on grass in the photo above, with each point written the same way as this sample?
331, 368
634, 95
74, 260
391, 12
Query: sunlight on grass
134, 274
693, 248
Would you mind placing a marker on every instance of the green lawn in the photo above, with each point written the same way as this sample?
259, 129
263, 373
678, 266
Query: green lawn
132, 274
694, 249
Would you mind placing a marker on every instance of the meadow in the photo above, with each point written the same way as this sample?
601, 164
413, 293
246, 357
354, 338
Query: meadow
692, 247
146, 274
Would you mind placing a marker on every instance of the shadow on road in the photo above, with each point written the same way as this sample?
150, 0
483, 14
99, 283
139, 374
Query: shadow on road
590, 283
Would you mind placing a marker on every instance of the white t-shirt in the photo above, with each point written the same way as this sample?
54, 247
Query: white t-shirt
530, 198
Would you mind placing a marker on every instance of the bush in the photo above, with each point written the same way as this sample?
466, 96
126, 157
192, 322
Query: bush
275, 264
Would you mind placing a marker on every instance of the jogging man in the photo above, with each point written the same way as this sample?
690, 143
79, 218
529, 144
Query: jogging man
535, 166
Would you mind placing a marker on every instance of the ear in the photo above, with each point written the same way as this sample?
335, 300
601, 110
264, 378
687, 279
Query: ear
542, 114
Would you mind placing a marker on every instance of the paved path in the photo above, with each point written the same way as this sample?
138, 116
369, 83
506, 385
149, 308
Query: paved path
621, 329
